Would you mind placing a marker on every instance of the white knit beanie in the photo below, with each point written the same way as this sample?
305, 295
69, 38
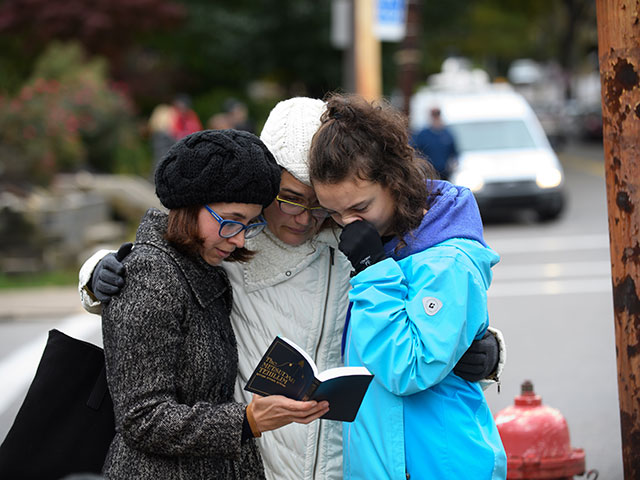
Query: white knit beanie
288, 131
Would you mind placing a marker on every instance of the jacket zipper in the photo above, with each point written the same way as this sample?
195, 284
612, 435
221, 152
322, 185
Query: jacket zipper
324, 317
326, 299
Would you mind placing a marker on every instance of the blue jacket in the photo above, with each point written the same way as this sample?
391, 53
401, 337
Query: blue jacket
413, 316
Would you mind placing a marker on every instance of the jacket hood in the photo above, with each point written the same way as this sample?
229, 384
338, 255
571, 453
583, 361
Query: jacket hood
453, 213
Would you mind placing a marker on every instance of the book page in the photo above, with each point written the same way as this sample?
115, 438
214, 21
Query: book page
341, 372
303, 353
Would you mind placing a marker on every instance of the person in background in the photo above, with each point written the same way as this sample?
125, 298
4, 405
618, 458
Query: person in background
437, 144
219, 121
296, 285
237, 115
170, 351
169, 123
184, 121
418, 299
160, 136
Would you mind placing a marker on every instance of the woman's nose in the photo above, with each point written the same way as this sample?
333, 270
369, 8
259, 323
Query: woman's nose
347, 219
237, 240
304, 217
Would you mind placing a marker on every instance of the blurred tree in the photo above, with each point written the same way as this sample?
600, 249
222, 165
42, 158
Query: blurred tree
493, 33
577, 33
107, 28
230, 43
299, 55
68, 115
489, 32
159, 47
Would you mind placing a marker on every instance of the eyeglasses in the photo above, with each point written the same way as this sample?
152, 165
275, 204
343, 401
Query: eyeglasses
292, 208
231, 228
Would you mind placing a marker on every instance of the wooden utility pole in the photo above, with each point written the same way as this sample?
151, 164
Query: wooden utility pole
367, 51
619, 54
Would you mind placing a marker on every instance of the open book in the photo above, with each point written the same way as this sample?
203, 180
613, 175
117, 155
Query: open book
286, 369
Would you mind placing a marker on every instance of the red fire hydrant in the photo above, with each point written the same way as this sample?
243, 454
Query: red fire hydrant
536, 440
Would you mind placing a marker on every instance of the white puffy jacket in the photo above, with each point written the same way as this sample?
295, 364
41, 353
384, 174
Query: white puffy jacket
299, 293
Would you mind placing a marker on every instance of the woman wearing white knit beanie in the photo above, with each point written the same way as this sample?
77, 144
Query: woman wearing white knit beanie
288, 131
298, 283
295, 286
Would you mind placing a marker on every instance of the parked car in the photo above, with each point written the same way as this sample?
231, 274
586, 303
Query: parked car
586, 120
504, 155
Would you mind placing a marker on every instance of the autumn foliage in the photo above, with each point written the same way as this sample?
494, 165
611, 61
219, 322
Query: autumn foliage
67, 116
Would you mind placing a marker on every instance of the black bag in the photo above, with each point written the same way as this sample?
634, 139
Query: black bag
65, 424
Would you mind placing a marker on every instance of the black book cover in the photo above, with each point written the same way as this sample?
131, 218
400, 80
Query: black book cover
286, 369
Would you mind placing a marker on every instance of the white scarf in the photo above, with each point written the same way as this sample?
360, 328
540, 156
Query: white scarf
275, 261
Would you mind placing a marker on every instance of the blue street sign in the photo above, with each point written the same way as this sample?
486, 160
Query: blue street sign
391, 20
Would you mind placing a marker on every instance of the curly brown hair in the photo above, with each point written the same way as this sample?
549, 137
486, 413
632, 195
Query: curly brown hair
370, 140
182, 233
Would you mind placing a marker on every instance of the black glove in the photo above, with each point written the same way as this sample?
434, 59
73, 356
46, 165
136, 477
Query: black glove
108, 276
480, 360
362, 244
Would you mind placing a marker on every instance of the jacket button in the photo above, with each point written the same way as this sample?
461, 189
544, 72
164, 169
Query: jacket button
288, 273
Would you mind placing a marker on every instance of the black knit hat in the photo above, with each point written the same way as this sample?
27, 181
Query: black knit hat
217, 166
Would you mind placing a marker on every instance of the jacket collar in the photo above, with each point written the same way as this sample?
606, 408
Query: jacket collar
198, 275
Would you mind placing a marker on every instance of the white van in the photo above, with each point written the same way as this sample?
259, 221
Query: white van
504, 155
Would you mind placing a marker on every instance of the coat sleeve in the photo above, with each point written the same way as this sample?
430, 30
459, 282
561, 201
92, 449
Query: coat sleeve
411, 325
89, 302
142, 337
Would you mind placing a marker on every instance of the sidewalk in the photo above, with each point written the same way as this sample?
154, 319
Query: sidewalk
39, 303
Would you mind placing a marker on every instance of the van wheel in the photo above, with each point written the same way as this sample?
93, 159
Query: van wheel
550, 212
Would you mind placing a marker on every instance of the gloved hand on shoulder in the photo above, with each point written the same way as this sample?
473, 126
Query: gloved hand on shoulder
480, 360
108, 276
362, 244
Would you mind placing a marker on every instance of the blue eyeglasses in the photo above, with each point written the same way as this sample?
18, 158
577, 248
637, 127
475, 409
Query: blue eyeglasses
230, 228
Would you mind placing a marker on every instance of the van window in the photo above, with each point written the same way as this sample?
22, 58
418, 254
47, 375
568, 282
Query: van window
492, 135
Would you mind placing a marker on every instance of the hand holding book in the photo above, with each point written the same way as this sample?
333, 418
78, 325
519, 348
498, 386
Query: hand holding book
285, 369
275, 411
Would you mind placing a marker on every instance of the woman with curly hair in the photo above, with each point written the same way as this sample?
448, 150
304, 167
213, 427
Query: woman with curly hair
419, 299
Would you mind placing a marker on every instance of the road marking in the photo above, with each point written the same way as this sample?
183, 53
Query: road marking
551, 278
548, 244
551, 270
550, 287
18, 369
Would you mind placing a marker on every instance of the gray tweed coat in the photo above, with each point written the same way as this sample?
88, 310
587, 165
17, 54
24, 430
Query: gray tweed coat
171, 361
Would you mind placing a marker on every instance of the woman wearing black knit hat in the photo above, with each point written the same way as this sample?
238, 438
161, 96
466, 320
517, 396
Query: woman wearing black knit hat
170, 350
